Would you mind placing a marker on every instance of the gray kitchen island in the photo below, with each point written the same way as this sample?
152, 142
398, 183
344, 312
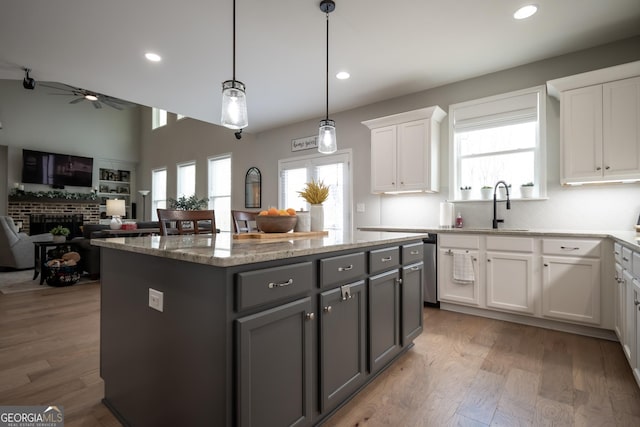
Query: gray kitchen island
209, 330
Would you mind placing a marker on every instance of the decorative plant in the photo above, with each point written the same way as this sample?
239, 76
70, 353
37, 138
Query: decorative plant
465, 188
315, 192
191, 203
528, 184
487, 187
59, 230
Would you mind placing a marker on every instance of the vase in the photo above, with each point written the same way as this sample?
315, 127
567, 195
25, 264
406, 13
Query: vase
59, 239
304, 222
465, 194
526, 192
487, 193
317, 217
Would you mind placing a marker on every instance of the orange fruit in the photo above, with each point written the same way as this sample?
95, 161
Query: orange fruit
263, 213
282, 212
273, 211
291, 211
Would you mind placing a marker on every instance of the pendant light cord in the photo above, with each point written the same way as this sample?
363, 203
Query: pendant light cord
327, 115
234, 40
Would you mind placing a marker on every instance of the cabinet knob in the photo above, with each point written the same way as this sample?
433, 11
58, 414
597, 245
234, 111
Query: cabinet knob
636, 302
608, 167
311, 316
546, 265
327, 309
488, 260
598, 168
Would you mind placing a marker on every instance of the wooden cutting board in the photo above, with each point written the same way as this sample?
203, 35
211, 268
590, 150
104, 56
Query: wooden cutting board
290, 235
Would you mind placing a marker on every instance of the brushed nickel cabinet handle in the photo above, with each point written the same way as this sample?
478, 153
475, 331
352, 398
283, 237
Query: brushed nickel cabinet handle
273, 285
347, 268
414, 252
415, 268
385, 259
569, 248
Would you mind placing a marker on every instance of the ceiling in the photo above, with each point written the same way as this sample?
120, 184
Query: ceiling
390, 48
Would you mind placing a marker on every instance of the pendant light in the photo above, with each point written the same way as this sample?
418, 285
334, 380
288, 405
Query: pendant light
327, 131
234, 99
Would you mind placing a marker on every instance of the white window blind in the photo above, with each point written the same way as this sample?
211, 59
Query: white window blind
158, 191
219, 190
186, 179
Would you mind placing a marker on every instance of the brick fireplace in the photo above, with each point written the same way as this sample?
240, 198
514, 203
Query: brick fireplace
21, 209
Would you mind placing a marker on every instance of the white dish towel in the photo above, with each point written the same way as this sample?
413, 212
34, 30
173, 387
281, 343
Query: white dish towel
463, 268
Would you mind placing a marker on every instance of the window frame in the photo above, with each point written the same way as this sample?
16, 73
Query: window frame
341, 156
154, 200
221, 223
158, 118
540, 158
179, 167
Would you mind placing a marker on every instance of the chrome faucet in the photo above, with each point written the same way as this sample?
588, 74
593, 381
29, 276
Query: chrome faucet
495, 201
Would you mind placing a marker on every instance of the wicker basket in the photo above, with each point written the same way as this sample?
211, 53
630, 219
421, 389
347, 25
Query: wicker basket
62, 276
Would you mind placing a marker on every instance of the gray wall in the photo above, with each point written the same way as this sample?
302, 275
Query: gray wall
35, 119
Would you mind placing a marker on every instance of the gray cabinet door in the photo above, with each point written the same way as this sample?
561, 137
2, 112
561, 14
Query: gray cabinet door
274, 366
384, 319
412, 279
342, 343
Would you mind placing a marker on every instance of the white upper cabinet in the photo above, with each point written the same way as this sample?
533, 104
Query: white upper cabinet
599, 125
405, 151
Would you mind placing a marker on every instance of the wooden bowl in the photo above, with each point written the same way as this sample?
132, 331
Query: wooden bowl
276, 224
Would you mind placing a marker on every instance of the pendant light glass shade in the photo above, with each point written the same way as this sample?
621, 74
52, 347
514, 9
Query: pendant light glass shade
234, 105
327, 137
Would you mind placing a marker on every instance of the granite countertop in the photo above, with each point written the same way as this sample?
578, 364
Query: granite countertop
223, 251
626, 237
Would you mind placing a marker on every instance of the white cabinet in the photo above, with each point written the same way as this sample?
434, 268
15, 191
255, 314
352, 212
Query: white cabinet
635, 353
599, 126
510, 278
405, 151
619, 308
450, 290
571, 280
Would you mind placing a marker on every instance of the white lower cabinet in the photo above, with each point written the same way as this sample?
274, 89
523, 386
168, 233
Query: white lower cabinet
449, 289
619, 308
571, 289
635, 353
510, 284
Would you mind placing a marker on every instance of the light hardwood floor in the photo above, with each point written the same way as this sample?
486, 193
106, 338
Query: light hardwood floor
463, 370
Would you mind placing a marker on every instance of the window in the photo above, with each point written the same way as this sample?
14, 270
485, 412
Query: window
158, 118
180, 117
499, 138
158, 191
334, 170
220, 190
186, 179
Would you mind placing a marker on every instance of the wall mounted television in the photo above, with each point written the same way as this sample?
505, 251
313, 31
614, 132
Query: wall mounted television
58, 170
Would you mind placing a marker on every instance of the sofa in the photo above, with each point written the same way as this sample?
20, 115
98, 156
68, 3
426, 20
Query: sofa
90, 254
16, 249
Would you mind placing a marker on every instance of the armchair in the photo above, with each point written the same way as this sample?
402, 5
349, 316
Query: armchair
16, 249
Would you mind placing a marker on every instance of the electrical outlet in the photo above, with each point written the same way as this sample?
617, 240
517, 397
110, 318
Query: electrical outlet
359, 207
156, 299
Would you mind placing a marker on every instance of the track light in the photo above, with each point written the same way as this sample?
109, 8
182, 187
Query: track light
28, 82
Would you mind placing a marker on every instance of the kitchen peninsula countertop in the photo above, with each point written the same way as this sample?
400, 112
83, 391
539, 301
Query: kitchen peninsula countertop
222, 250
625, 237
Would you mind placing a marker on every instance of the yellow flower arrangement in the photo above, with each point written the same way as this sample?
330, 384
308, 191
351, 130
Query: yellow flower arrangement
315, 192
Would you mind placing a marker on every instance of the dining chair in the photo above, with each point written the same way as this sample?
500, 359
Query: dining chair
244, 221
186, 222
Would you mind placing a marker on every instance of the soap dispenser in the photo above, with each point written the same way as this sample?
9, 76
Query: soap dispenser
459, 220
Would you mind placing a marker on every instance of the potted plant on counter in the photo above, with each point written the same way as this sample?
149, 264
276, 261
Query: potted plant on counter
315, 193
59, 233
526, 190
465, 192
487, 192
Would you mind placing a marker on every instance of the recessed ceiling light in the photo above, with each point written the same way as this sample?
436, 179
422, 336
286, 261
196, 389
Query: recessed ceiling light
343, 75
525, 11
91, 97
153, 57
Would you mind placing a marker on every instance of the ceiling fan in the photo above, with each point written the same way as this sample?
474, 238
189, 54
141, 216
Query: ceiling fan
97, 99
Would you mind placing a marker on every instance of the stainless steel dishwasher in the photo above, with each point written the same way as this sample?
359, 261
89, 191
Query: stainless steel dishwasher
431, 270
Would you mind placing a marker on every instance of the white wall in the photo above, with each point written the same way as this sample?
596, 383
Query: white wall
35, 119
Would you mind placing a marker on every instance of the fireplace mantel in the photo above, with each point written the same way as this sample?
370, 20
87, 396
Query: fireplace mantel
21, 207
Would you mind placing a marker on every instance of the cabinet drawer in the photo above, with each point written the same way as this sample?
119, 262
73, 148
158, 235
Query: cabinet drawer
260, 287
383, 259
617, 252
510, 244
627, 259
573, 247
457, 241
412, 253
340, 269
